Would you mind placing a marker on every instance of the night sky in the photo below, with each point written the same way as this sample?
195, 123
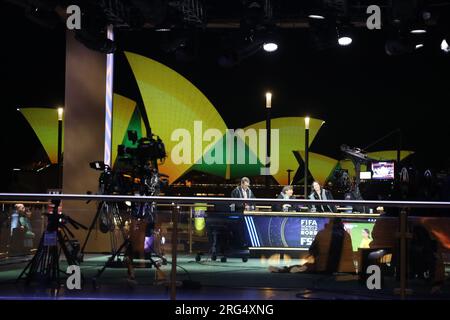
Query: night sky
360, 91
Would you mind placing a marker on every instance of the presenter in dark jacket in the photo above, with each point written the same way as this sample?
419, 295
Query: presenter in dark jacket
319, 193
244, 192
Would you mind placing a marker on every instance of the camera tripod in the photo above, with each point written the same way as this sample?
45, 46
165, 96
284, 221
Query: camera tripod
139, 227
44, 266
110, 216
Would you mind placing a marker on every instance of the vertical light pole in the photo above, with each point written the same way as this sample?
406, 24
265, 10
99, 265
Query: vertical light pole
59, 155
289, 175
306, 156
268, 107
399, 149
109, 99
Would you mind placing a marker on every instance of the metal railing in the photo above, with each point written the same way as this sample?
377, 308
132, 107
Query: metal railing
176, 202
188, 200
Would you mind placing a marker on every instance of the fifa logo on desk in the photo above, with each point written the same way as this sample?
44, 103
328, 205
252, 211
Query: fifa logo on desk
308, 231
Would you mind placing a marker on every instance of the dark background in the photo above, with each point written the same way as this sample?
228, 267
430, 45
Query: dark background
360, 91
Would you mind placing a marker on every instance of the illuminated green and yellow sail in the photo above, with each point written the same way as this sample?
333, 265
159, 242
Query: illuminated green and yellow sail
172, 102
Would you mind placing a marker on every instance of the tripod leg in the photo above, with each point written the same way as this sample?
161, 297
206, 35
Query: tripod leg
32, 262
91, 227
69, 258
115, 254
55, 267
153, 262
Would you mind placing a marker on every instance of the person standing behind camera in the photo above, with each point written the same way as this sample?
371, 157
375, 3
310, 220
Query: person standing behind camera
244, 192
21, 230
25, 223
319, 193
15, 223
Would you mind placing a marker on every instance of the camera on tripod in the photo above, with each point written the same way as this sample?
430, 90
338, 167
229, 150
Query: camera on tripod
135, 172
148, 149
142, 163
110, 181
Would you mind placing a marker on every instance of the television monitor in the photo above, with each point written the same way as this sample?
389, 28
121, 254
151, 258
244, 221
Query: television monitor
383, 170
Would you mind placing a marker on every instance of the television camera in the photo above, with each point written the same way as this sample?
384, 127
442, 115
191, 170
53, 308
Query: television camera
144, 162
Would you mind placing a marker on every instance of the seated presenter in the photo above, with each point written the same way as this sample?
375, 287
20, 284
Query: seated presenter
244, 192
286, 193
319, 193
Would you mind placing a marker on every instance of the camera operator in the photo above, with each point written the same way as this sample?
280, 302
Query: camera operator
21, 229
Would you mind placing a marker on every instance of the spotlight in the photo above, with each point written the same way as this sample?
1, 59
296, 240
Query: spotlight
316, 17
270, 46
270, 41
344, 41
418, 31
420, 45
344, 35
444, 46
443, 30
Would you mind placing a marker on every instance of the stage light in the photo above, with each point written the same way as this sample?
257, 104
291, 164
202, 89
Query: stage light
420, 45
344, 35
316, 17
270, 41
18, 109
163, 30
60, 114
268, 100
418, 31
344, 41
128, 203
270, 46
444, 46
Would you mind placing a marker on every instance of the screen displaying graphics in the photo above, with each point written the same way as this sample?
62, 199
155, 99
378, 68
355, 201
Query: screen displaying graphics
361, 233
383, 170
296, 232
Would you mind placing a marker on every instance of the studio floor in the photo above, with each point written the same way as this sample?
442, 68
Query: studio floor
213, 280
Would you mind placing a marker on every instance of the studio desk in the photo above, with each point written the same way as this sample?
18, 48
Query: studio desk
275, 231
287, 231
280, 232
